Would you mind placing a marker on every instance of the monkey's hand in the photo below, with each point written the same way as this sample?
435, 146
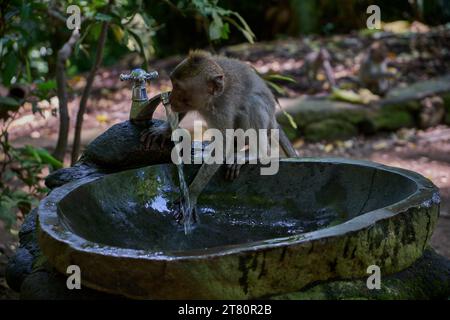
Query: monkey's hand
233, 171
155, 135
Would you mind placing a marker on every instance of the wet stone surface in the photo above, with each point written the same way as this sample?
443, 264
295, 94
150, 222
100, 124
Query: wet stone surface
117, 149
126, 215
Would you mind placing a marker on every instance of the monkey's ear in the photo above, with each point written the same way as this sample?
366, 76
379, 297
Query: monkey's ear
216, 85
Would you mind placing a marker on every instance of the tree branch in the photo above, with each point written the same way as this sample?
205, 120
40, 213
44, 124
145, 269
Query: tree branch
63, 54
87, 89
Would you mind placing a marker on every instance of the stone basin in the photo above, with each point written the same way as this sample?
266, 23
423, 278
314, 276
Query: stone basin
316, 220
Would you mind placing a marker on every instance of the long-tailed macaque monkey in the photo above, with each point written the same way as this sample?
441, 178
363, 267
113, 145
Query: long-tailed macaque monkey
228, 94
373, 73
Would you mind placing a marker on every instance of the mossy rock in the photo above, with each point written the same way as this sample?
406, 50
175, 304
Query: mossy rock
427, 278
388, 120
407, 98
116, 149
120, 147
306, 111
421, 89
291, 132
411, 106
330, 129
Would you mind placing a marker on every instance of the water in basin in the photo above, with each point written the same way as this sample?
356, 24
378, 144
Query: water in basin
131, 209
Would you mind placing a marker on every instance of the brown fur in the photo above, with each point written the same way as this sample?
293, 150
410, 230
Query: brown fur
229, 94
373, 73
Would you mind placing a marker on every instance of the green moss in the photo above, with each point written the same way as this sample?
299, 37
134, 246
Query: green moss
330, 129
307, 111
407, 106
291, 132
392, 120
412, 283
147, 185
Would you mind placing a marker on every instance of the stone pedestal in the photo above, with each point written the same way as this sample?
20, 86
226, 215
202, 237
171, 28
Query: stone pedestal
119, 149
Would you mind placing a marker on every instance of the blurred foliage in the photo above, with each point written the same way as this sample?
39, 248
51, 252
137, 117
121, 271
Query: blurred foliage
31, 34
21, 170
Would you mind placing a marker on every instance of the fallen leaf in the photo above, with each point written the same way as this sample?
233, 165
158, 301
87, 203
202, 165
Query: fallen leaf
102, 118
298, 143
380, 145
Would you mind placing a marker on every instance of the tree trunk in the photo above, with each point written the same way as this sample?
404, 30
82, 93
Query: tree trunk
87, 91
64, 120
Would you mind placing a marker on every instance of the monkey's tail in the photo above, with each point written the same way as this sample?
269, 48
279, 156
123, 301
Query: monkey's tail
286, 144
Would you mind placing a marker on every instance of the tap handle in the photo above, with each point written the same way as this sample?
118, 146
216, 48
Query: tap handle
139, 76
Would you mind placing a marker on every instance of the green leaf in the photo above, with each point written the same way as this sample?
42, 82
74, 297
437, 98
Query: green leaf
118, 32
225, 31
141, 47
10, 68
345, 95
248, 34
103, 17
246, 26
47, 158
215, 28
41, 156
47, 85
31, 151
276, 87
280, 77
9, 102
290, 119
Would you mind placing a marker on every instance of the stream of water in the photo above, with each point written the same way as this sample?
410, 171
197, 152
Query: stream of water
185, 203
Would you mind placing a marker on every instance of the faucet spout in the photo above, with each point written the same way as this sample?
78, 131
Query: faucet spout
140, 101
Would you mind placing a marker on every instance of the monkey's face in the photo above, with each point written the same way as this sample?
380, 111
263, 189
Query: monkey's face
189, 94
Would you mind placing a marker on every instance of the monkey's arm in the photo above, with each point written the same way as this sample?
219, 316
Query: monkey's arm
207, 171
203, 176
162, 133
201, 179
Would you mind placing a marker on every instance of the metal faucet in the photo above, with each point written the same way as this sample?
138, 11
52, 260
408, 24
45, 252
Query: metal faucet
142, 108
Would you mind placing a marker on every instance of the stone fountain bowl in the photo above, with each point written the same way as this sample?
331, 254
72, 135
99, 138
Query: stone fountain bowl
316, 220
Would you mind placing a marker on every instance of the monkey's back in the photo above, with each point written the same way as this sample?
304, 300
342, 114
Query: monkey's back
249, 92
